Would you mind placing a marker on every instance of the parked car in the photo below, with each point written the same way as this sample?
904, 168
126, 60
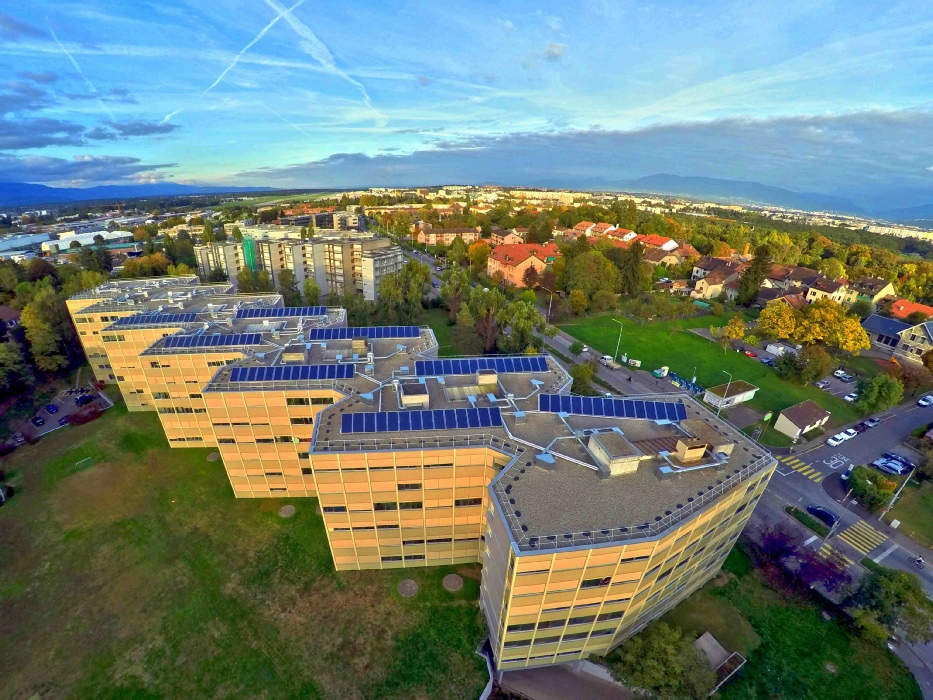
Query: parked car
850, 397
872, 422
850, 433
822, 384
751, 353
847, 473
37, 421
84, 400
767, 361
899, 458
51, 409
824, 514
837, 439
847, 379
925, 401
64, 420
839, 373
860, 428
889, 466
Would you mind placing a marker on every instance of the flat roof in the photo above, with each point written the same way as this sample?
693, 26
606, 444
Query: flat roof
734, 388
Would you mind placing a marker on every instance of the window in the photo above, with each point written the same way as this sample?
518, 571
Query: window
523, 627
581, 620
409, 487
220, 424
307, 470
322, 401
119, 378
304, 455
548, 640
411, 505
334, 509
595, 582
387, 505
517, 643
652, 571
414, 557
610, 616
278, 488
547, 624
440, 540
637, 557
387, 527
166, 409
412, 542
468, 501
264, 440
297, 401
216, 363
194, 396
156, 365
536, 571
602, 633
575, 635
364, 527
302, 421
284, 438
391, 559
554, 610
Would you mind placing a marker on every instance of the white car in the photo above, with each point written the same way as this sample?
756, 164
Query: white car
925, 401
839, 373
850, 397
837, 439
850, 433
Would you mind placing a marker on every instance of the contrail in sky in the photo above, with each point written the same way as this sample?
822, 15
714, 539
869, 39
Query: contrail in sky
236, 59
81, 73
170, 115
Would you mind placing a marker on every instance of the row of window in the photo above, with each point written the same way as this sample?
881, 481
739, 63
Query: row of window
583, 620
402, 505
304, 401
573, 636
181, 409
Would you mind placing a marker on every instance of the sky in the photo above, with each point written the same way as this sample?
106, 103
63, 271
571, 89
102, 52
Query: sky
810, 95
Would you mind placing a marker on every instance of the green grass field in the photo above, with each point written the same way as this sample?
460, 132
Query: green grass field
791, 651
140, 576
915, 511
672, 344
436, 320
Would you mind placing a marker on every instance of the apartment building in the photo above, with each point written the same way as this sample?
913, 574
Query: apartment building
446, 236
376, 264
590, 516
513, 261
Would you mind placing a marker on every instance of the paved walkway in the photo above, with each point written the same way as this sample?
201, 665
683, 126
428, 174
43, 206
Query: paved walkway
561, 683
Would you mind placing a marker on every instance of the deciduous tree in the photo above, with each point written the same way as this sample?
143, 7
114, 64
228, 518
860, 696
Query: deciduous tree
577, 301
777, 320
895, 600
288, 288
754, 275
312, 292
455, 286
457, 252
879, 393
478, 253
827, 322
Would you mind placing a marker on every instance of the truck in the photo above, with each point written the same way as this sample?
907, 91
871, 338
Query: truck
607, 361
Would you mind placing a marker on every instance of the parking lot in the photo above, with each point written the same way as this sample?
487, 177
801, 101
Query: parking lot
58, 412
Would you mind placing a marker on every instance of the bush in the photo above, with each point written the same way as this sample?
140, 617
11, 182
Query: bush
716, 309
871, 488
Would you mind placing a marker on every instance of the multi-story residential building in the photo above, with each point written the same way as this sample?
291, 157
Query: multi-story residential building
446, 236
590, 516
825, 288
870, 289
512, 261
375, 265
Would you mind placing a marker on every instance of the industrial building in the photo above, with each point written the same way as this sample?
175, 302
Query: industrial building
590, 516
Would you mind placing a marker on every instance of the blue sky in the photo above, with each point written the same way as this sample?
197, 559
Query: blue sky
833, 97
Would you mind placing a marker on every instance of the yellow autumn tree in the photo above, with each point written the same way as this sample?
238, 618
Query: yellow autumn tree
827, 322
777, 320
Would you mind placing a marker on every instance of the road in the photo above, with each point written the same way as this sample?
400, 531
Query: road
429, 261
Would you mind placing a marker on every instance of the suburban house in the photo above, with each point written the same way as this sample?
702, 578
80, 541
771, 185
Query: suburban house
659, 256
801, 418
623, 234
674, 287
9, 318
705, 265
687, 251
712, 284
801, 277
825, 288
777, 277
870, 289
902, 308
654, 241
915, 341
601, 229
730, 394
883, 331
502, 237
513, 260
584, 227
446, 236
730, 290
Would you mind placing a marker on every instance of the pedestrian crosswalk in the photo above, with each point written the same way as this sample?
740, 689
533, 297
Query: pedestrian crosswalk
828, 552
862, 537
801, 467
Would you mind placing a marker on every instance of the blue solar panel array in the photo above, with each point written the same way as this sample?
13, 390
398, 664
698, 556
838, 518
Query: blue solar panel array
287, 311
212, 341
396, 421
364, 332
292, 373
520, 363
618, 408
146, 319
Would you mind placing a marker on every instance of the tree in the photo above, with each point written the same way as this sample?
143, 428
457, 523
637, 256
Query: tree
733, 330
484, 306
665, 662
631, 269
288, 288
754, 276
246, 281
179, 270
814, 568
911, 376
777, 542
220, 235
576, 347
478, 253
457, 252
777, 320
464, 336
871, 488
831, 268
48, 330
217, 274
916, 317
861, 308
455, 286
400, 294
530, 277
577, 301
263, 282
15, 373
812, 363
582, 375
312, 292
879, 393
525, 323
826, 321
590, 272
238, 235
207, 235
895, 601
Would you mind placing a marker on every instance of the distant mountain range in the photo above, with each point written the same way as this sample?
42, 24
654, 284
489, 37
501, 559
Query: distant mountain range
28, 194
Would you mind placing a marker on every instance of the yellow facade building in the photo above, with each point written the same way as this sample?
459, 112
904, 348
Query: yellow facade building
590, 516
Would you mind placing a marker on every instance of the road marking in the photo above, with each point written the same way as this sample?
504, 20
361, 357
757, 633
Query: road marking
802, 468
884, 553
812, 538
828, 552
863, 537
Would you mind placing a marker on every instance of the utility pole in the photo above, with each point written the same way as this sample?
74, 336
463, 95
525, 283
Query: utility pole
896, 494
615, 358
551, 299
718, 410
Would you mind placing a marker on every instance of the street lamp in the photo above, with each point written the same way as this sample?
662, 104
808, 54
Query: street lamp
726, 395
615, 357
549, 303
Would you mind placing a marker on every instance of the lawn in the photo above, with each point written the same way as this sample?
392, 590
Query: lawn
792, 652
672, 344
138, 575
437, 321
915, 511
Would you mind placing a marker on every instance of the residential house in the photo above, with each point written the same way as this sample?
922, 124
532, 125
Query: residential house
655, 241
601, 229
915, 341
778, 277
825, 288
659, 256
870, 289
884, 332
584, 227
9, 318
623, 234
902, 308
674, 287
766, 295
705, 265
687, 251
802, 277
713, 284
446, 236
797, 420
513, 260
504, 237
730, 290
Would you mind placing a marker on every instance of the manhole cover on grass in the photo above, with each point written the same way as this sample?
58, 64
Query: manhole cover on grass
213, 457
287, 511
407, 587
452, 582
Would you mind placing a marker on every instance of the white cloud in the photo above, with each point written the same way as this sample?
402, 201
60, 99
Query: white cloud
506, 23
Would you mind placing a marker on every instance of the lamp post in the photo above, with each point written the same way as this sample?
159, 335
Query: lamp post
550, 299
719, 410
896, 494
615, 358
